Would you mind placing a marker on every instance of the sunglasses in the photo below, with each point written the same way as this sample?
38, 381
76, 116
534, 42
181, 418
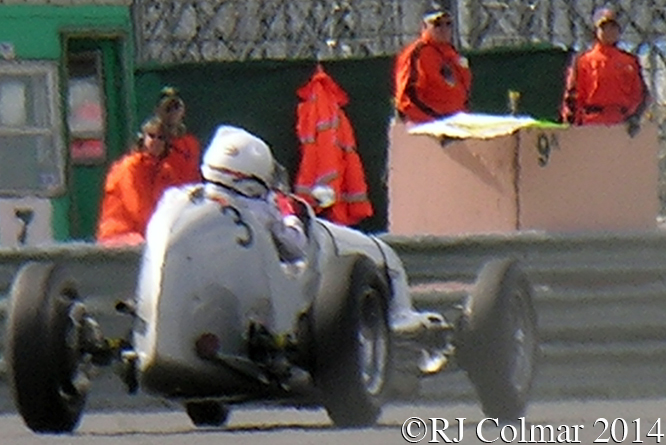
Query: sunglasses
159, 137
442, 23
173, 106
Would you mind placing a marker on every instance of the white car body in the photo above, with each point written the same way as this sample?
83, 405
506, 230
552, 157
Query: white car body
208, 267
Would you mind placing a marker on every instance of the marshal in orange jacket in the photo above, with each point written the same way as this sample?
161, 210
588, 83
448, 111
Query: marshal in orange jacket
133, 187
604, 86
431, 80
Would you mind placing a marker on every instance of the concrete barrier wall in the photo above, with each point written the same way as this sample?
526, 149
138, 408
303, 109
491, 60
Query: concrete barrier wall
565, 180
600, 299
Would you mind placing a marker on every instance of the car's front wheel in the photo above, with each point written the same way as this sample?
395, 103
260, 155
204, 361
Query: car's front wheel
352, 347
48, 372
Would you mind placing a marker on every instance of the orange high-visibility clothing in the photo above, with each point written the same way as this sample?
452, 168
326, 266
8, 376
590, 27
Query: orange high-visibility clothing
133, 187
431, 80
328, 151
184, 157
604, 86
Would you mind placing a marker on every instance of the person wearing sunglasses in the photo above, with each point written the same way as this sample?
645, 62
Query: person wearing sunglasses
432, 80
134, 185
605, 85
184, 147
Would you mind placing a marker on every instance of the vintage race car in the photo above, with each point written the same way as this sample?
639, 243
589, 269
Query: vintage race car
219, 319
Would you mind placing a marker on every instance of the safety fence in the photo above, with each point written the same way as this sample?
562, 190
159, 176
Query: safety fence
176, 31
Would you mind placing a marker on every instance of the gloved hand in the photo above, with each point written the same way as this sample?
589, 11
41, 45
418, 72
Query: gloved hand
324, 195
633, 124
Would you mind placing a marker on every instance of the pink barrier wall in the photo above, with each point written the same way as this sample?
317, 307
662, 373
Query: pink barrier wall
576, 179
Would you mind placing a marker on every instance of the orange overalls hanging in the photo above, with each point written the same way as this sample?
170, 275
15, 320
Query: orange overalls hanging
328, 152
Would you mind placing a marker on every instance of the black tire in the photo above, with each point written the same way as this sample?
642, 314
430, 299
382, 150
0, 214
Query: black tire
497, 339
207, 413
47, 373
352, 346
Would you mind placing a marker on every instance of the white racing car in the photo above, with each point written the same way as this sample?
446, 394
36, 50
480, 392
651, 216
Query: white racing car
220, 320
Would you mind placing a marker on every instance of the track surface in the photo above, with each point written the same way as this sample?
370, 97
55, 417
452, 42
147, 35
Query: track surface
293, 427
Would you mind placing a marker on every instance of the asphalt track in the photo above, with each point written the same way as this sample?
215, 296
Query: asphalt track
571, 421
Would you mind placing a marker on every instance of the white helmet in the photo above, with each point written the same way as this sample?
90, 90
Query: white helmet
240, 161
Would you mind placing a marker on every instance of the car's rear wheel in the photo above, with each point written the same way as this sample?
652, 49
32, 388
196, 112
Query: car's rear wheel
497, 339
47, 370
207, 413
352, 347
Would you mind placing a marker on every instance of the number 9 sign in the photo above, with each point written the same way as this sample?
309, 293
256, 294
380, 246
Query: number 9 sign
544, 147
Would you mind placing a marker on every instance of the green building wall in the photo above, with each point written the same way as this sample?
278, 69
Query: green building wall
36, 32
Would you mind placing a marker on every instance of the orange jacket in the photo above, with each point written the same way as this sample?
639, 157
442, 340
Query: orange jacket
184, 157
603, 86
431, 80
328, 151
133, 187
